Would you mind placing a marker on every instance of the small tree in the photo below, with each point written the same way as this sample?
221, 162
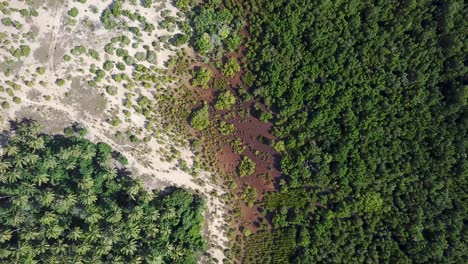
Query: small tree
250, 195
246, 167
231, 67
225, 101
204, 43
200, 119
201, 77
73, 12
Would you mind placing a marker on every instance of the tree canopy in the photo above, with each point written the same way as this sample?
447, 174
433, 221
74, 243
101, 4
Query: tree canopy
62, 200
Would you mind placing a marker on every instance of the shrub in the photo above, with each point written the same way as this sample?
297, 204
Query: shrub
231, 67
109, 48
140, 56
182, 4
151, 57
249, 195
112, 90
225, 128
225, 101
201, 77
146, 3
60, 82
246, 167
78, 50
108, 65
115, 121
180, 39
94, 54
220, 84
233, 42
237, 146
122, 159
40, 70
73, 12
6, 21
120, 66
204, 44
24, 12
5, 105
33, 13
200, 119
16, 99
265, 117
129, 60
66, 57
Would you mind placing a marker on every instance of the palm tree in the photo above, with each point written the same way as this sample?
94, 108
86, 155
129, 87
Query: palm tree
11, 150
41, 179
4, 166
13, 176
130, 248
47, 198
36, 144
76, 234
31, 158
49, 162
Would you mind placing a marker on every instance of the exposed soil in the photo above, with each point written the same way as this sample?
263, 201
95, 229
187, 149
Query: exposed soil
250, 130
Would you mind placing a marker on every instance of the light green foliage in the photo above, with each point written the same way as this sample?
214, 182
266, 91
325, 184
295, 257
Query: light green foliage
182, 4
200, 119
60, 82
146, 3
6, 21
238, 146
115, 121
204, 44
73, 12
231, 67
246, 167
22, 51
220, 84
109, 48
151, 57
94, 54
249, 195
66, 57
140, 56
65, 193
213, 22
225, 128
108, 65
180, 39
225, 101
16, 100
233, 42
40, 70
24, 12
265, 117
201, 77
78, 50
120, 66
5, 105
100, 74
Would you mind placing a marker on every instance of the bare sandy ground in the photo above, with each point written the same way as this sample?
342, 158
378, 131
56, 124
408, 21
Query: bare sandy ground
56, 34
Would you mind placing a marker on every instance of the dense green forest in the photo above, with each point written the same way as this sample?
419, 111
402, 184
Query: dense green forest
369, 101
65, 200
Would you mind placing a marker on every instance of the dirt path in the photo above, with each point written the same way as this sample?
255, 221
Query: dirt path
55, 29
